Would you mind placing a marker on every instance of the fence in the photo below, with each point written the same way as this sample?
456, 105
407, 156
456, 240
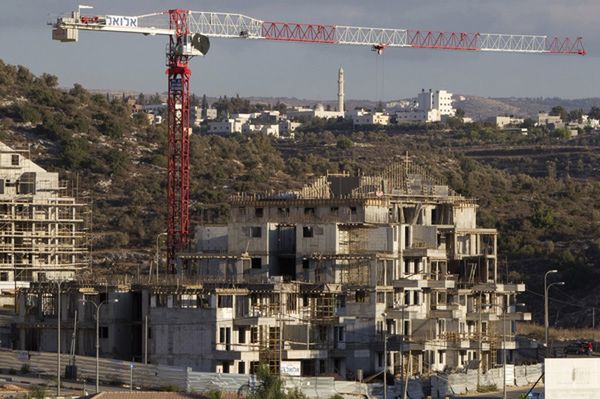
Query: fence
459, 383
156, 376
110, 371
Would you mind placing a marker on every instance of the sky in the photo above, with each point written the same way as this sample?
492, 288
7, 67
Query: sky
261, 68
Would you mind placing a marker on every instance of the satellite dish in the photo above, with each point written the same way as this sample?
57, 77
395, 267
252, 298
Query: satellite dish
201, 43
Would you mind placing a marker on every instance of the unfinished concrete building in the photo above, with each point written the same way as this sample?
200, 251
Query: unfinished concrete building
121, 323
42, 231
324, 275
321, 278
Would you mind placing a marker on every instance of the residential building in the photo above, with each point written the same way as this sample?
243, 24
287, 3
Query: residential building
42, 231
431, 107
360, 118
321, 277
268, 129
287, 128
199, 115
121, 325
308, 114
440, 100
504, 121
544, 119
226, 126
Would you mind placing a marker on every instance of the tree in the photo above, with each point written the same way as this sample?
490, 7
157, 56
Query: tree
575, 116
344, 143
204, 105
270, 385
559, 111
594, 113
194, 101
460, 113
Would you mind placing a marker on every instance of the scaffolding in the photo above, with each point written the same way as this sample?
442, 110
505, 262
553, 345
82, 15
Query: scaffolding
42, 232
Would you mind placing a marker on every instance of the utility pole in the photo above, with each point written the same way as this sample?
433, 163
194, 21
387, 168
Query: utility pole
546, 326
479, 349
98, 307
408, 373
385, 366
546, 305
58, 314
146, 339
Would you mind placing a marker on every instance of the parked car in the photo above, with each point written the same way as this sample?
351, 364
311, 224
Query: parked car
578, 348
535, 395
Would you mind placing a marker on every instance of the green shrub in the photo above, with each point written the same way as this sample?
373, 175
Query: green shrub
38, 392
169, 388
487, 388
215, 394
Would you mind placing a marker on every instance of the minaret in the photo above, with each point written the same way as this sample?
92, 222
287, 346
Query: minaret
341, 90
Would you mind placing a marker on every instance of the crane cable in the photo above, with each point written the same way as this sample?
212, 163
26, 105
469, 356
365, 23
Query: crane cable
379, 91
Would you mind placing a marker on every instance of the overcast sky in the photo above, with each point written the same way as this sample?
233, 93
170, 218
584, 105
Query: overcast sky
261, 68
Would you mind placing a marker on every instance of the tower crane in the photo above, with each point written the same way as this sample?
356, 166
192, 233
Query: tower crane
189, 32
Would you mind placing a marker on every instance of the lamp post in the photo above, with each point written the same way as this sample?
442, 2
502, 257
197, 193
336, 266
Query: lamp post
98, 307
58, 316
546, 324
503, 346
385, 366
546, 305
158, 251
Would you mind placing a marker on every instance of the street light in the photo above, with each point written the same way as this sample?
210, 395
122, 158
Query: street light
98, 306
385, 366
547, 289
58, 316
503, 347
546, 305
158, 252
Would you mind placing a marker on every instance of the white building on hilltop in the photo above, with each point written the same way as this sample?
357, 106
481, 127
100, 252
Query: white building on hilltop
308, 114
364, 118
431, 107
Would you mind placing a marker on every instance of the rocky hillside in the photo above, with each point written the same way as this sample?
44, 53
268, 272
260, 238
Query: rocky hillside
540, 191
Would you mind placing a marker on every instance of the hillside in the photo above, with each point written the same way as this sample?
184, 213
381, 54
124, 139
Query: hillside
540, 191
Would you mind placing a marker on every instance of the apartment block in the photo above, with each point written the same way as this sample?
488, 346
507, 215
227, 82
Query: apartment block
42, 230
324, 275
341, 277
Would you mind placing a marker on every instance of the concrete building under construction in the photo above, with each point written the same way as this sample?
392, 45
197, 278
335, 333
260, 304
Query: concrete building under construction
325, 275
42, 231
345, 276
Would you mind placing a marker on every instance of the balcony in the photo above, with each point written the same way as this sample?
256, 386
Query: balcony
483, 316
425, 252
442, 283
445, 311
302, 354
501, 288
